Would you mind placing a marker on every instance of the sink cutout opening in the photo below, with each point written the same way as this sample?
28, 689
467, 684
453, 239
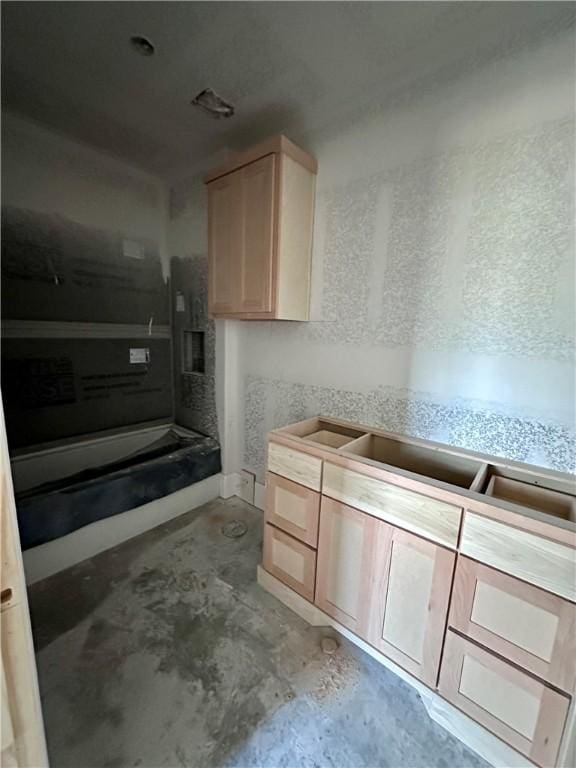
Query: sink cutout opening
556, 503
332, 435
456, 470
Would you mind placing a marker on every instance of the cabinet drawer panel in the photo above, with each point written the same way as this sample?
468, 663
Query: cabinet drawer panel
430, 518
525, 624
517, 708
540, 561
293, 508
290, 561
301, 467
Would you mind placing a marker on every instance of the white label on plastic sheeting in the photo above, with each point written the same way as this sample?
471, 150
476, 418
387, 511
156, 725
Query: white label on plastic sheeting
140, 355
132, 249
180, 302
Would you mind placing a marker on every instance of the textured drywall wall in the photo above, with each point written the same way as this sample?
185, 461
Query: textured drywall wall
443, 269
443, 276
83, 241
194, 392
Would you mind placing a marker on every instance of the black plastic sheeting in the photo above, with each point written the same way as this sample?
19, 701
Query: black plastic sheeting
57, 508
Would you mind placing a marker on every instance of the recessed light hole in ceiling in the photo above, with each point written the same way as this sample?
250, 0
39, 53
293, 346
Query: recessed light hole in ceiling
212, 104
142, 45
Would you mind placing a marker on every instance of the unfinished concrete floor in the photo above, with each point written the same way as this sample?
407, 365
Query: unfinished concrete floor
165, 652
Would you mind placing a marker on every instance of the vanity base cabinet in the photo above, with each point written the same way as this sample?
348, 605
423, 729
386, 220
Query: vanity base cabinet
428, 561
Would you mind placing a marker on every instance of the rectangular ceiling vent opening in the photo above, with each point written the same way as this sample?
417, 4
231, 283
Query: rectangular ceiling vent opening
212, 104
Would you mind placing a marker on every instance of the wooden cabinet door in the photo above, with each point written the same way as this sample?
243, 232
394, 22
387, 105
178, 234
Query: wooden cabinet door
519, 709
345, 557
225, 243
258, 193
22, 730
410, 591
533, 628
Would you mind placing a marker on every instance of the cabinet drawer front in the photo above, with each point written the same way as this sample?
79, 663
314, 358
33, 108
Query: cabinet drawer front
430, 518
293, 508
290, 561
532, 628
540, 561
301, 467
520, 710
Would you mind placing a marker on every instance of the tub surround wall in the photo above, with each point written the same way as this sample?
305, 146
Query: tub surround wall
207, 403
194, 391
83, 283
61, 388
58, 270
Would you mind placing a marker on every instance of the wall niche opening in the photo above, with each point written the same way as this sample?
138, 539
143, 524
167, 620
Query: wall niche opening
193, 352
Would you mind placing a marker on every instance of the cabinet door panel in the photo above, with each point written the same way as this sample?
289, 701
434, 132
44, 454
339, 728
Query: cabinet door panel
225, 242
258, 187
517, 708
345, 554
531, 627
409, 601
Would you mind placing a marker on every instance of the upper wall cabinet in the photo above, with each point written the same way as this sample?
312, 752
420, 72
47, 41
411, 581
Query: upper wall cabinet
260, 219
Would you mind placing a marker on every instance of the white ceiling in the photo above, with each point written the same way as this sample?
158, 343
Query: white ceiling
286, 66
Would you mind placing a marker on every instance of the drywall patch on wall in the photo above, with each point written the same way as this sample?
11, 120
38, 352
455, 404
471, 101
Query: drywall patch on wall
270, 404
195, 402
